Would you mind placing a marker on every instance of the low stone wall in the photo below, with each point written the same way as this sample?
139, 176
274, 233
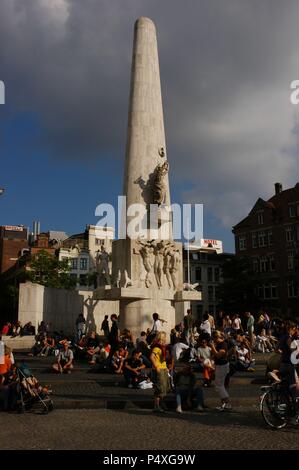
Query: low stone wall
19, 343
60, 307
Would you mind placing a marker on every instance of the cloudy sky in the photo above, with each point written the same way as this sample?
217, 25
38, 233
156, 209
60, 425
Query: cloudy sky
226, 68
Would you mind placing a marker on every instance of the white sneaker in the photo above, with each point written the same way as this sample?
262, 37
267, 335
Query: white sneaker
224, 407
199, 408
179, 409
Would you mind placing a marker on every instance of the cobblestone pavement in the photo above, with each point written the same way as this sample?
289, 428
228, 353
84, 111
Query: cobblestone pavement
242, 428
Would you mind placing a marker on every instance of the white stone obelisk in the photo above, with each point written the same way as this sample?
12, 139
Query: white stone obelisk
147, 272
146, 147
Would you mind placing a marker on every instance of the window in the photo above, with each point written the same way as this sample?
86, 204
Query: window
210, 293
212, 309
199, 311
198, 274
254, 240
64, 258
216, 274
260, 217
262, 238
291, 289
203, 256
289, 234
83, 280
217, 293
297, 230
272, 263
210, 274
242, 243
260, 292
83, 264
270, 238
74, 263
255, 265
274, 291
290, 260
267, 291
263, 264
100, 241
186, 274
195, 256
292, 210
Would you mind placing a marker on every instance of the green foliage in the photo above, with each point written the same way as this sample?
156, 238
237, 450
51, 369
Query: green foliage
47, 270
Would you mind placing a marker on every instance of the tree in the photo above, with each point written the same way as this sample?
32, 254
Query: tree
47, 270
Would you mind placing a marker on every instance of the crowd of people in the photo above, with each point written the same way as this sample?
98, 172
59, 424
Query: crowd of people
198, 355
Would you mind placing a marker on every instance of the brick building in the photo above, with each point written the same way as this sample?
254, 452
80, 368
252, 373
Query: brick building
13, 241
269, 236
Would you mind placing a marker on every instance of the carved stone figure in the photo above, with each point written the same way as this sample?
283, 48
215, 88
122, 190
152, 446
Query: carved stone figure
102, 262
175, 265
146, 254
159, 262
159, 185
167, 266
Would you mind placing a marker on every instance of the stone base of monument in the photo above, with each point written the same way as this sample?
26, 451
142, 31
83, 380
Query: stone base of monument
138, 304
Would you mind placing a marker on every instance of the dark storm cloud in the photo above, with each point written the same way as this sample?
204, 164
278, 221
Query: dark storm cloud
226, 67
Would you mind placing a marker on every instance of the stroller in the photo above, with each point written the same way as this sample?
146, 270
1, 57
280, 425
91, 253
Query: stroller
31, 393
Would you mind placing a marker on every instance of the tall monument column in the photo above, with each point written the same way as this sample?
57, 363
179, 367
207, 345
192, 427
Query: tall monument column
146, 148
147, 271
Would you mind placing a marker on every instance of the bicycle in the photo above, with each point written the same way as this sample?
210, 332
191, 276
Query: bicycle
277, 405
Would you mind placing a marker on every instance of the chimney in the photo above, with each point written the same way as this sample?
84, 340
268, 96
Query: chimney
36, 230
278, 188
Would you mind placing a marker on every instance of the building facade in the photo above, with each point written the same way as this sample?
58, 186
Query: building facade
81, 251
13, 242
269, 237
205, 269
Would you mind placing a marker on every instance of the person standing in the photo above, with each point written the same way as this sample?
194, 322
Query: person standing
160, 371
114, 334
105, 326
219, 351
156, 328
250, 327
287, 369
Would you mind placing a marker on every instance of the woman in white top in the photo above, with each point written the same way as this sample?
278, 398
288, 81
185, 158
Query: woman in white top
206, 325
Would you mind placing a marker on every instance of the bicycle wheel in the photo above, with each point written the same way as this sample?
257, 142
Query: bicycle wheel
274, 407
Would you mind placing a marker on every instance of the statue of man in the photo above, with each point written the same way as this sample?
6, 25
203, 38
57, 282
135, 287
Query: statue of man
146, 254
159, 251
159, 185
102, 260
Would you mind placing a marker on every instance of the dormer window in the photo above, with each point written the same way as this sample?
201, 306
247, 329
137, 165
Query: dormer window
260, 217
